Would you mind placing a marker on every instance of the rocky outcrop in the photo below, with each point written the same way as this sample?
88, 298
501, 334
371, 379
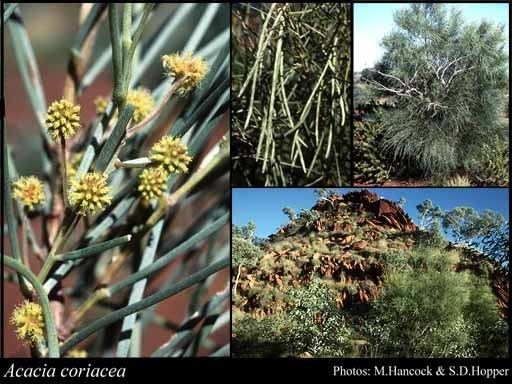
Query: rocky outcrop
342, 243
385, 212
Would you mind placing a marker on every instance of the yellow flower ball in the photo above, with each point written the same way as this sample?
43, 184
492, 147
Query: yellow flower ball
101, 104
77, 353
89, 193
152, 183
29, 191
142, 101
63, 119
29, 322
186, 67
171, 154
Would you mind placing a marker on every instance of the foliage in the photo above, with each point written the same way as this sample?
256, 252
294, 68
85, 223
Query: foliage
244, 253
318, 325
430, 310
428, 213
260, 337
456, 181
307, 217
290, 212
338, 282
370, 162
487, 230
449, 80
431, 236
312, 326
291, 87
246, 232
490, 167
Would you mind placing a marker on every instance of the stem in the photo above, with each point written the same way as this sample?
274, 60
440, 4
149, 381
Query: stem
171, 255
64, 232
12, 226
93, 249
237, 279
145, 303
64, 171
127, 44
10, 9
140, 162
97, 296
113, 17
130, 52
116, 264
51, 331
24, 245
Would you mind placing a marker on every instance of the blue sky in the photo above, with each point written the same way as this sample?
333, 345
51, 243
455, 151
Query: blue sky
373, 21
264, 205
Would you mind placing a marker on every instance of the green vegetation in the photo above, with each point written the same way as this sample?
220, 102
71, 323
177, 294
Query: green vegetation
436, 101
346, 287
448, 313
291, 87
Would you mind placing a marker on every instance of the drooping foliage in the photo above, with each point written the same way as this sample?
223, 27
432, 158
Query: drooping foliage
291, 87
448, 79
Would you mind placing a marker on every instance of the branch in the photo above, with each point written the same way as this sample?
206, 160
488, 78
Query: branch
448, 66
51, 332
406, 89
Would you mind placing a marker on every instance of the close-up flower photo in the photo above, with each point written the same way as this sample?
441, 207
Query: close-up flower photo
116, 200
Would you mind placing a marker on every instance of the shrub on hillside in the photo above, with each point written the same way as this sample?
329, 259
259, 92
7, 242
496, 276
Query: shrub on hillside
429, 310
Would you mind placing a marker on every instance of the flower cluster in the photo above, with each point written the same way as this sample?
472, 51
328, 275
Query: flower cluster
152, 182
29, 322
29, 191
142, 101
77, 353
140, 98
63, 119
74, 164
101, 104
186, 68
170, 153
89, 193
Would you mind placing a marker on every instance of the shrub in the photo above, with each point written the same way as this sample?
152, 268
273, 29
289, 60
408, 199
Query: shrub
260, 337
449, 80
318, 326
244, 253
370, 163
454, 181
490, 167
429, 310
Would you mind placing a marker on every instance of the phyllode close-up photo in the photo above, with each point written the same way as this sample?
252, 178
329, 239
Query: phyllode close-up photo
291, 94
285, 190
116, 180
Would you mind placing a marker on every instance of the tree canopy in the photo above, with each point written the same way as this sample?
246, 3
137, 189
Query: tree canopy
449, 80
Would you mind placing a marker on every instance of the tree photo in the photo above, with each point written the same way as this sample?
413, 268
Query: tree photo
444, 83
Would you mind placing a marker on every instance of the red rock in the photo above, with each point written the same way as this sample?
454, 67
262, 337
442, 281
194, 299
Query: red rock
360, 245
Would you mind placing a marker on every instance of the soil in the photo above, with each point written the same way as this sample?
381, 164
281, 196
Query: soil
399, 183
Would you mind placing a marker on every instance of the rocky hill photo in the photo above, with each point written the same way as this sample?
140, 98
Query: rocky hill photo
348, 248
